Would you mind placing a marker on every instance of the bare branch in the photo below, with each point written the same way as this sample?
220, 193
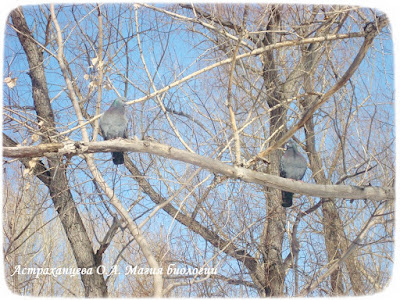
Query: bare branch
374, 219
369, 37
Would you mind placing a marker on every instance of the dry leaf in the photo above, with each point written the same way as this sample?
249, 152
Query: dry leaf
35, 137
33, 162
94, 61
26, 172
101, 63
31, 165
92, 84
108, 86
11, 82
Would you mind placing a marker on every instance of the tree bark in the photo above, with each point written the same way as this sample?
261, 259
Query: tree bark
214, 165
55, 176
274, 226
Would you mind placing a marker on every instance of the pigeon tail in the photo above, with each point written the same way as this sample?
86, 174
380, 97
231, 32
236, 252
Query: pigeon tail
287, 199
118, 158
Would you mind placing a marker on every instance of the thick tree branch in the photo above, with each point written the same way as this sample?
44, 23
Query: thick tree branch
40, 170
216, 166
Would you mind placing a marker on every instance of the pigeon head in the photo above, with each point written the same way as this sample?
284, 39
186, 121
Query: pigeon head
291, 145
119, 102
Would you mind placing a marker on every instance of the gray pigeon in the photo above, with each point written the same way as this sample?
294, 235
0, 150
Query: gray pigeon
293, 165
114, 124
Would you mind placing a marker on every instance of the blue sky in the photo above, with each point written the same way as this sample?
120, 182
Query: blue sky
179, 49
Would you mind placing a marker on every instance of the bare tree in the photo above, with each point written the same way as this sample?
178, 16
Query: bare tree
214, 93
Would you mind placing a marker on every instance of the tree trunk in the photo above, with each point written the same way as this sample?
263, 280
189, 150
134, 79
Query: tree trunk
56, 180
274, 227
334, 234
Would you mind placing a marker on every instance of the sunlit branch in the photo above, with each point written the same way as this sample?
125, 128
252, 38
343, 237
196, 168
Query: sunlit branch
316, 190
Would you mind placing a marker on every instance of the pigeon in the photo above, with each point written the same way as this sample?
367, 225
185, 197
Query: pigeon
293, 165
114, 124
